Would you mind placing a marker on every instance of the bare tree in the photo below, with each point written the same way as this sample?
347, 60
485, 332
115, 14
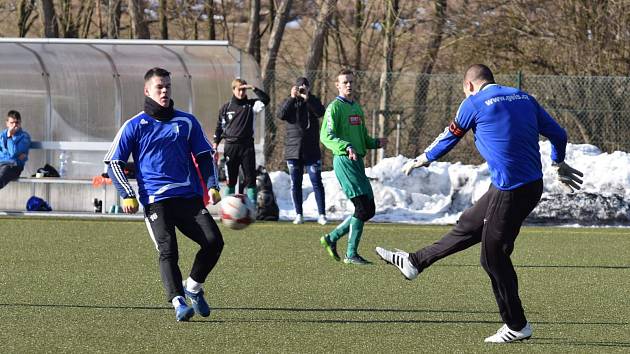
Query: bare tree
385, 84
113, 18
253, 37
49, 19
268, 70
209, 8
358, 32
74, 21
139, 26
426, 68
314, 56
163, 18
26, 16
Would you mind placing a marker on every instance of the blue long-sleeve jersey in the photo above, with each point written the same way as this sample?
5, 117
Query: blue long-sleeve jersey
162, 151
507, 123
12, 148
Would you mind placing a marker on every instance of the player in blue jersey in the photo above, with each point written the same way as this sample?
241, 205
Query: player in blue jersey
506, 123
162, 141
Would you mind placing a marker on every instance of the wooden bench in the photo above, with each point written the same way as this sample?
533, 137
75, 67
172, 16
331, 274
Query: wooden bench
69, 146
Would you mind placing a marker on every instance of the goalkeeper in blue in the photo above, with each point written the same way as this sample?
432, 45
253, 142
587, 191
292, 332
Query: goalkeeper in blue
506, 123
162, 142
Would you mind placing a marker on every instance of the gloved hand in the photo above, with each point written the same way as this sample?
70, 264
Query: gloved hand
568, 175
130, 205
214, 195
420, 161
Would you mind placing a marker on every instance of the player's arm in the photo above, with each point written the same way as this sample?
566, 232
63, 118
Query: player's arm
328, 133
204, 153
550, 129
464, 120
447, 140
262, 95
218, 132
116, 159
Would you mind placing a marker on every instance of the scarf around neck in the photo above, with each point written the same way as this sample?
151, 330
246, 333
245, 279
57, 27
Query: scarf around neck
158, 112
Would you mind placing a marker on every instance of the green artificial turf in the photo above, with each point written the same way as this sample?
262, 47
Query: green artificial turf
94, 286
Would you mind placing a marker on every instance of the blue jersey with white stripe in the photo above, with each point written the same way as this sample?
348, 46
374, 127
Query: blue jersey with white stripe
162, 154
506, 123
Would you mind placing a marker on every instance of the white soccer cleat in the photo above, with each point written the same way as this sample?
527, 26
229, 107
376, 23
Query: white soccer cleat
299, 219
506, 335
400, 259
322, 219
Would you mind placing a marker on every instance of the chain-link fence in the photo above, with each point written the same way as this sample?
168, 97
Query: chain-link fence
593, 110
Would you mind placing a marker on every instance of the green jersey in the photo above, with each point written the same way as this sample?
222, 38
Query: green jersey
343, 126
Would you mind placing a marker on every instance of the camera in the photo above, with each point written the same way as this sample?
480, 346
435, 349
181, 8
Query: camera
302, 90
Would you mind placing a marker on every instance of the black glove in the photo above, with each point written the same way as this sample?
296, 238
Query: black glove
569, 176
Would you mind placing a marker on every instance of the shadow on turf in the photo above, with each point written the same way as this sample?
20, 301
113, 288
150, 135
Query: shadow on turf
565, 341
543, 266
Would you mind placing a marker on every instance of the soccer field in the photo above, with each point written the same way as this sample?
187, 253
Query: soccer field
94, 286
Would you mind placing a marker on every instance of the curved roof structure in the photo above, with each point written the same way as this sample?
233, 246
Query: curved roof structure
81, 90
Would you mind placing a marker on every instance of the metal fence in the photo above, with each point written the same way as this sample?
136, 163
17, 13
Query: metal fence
593, 110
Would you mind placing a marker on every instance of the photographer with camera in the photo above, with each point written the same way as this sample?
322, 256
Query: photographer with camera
302, 111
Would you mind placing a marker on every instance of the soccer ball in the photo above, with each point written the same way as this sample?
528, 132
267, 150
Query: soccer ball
237, 211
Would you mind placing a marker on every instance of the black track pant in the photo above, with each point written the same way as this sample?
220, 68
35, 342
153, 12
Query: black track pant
237, 155
495, 221
9, 173
193, 220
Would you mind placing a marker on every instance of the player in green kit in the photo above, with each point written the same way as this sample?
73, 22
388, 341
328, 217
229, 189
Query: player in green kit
344, 133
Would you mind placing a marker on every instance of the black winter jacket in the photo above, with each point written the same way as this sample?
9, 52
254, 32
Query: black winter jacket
236, 119
302, 137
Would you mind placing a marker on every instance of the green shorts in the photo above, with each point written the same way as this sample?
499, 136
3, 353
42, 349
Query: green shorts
351, 176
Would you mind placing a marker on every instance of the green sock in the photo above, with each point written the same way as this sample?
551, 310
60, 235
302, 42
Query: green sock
230, 190
251, 194
356, 230
340, 230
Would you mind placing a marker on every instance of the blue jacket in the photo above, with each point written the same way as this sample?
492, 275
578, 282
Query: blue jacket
506, 123
11, 148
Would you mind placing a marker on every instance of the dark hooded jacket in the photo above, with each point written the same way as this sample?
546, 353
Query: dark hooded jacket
302, 130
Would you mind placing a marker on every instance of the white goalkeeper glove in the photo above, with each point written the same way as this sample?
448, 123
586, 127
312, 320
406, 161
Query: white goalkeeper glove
420, 161
569, 176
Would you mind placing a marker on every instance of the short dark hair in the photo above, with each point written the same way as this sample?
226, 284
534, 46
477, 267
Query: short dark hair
15, 115
345, 72
159, 72
479, 72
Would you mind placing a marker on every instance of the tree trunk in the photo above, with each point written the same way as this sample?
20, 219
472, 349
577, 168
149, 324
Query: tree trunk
163, 18
253, 42
49, 19
139, 26
358, 33
113, 18
314, 56
385, 84
212, 32
25, 21
422, 80
268, 70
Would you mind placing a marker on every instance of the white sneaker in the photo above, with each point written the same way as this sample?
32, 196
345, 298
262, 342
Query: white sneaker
299, 219
506, 335
400, 259
322, 219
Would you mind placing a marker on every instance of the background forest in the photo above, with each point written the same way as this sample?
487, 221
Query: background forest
573, 55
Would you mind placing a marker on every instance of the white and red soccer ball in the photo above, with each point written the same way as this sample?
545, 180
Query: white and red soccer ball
237, 211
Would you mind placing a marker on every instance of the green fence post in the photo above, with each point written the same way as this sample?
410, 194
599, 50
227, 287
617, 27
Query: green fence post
519, 79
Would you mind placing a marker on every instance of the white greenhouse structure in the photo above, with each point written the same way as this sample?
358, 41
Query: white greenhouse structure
73, 96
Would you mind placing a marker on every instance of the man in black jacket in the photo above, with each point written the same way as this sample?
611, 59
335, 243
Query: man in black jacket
236, 125
302, 111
